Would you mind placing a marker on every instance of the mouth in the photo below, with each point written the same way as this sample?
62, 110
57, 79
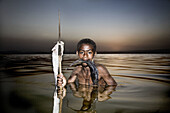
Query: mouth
85, 59
80, 61
84, 62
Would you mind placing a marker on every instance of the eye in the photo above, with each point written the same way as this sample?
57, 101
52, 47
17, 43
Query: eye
81, 52
90, 52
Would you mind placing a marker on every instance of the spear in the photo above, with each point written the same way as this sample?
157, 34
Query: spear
57, 53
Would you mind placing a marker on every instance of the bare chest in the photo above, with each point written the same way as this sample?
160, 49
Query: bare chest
84, 77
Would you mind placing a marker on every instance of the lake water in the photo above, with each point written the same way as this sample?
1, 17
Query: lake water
27, 85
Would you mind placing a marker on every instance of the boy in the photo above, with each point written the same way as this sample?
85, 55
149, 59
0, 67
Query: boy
86, 50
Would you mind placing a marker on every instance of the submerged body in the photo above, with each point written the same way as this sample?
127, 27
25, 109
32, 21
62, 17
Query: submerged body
85, 73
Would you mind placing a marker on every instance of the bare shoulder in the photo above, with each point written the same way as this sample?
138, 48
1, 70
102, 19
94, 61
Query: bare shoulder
104, 73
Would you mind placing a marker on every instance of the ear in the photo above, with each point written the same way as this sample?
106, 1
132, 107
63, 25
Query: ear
94, 54
77, 52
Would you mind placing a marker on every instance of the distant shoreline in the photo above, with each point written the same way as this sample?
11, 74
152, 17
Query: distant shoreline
100, 52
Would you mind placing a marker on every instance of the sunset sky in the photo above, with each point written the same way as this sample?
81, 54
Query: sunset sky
115, 25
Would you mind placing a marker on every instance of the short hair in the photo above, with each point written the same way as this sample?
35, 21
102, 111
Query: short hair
86, 41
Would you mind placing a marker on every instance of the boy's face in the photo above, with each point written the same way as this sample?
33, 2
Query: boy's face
85, 52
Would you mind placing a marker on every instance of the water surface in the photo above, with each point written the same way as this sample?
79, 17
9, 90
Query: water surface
27, 85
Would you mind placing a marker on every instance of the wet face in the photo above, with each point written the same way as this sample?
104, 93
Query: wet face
85, 52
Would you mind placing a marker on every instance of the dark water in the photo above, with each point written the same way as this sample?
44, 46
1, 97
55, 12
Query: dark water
27, 85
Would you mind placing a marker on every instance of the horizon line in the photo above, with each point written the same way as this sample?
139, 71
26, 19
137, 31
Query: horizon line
166, 51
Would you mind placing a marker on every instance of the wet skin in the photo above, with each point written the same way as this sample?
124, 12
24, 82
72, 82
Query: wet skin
85, 91
82, 72
90, 94
86, 53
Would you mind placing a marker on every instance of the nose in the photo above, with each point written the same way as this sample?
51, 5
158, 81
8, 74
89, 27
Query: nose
85, 56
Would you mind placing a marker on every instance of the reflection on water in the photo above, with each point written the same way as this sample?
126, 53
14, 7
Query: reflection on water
89, 94
59, 94
27, 85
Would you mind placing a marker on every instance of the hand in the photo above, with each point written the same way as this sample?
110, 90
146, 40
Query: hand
61, 80
61, 93
104, 92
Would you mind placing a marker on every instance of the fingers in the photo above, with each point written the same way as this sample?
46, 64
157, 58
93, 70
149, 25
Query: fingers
61, 93
60, 75
64, 81
61, 80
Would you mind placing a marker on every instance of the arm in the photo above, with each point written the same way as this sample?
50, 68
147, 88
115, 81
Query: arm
61, 81
103, 72
73, 75
105, 92
72, 79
